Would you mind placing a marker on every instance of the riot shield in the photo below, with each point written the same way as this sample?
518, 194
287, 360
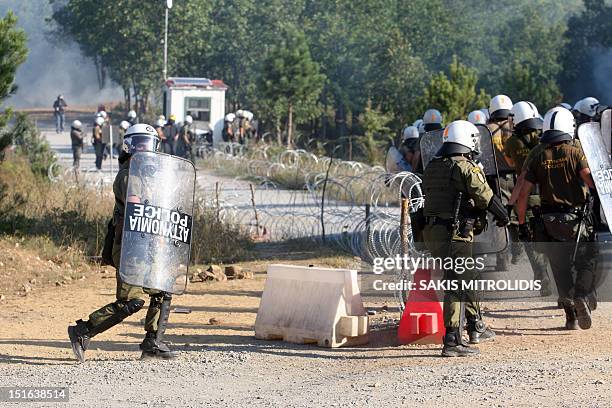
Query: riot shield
430, 143
606, 129
157, 228
494, 239
395, 162
599, 162
487, 152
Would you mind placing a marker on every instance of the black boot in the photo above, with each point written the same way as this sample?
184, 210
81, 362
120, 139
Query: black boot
80, 337
152, 349
583, 313
453, 346
478, 331
571, 323
153, 346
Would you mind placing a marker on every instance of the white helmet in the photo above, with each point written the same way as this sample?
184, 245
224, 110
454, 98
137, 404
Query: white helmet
421, 127
99, 120
160, 122
410, 132
526, 116
140, 138
132, 114
188, 119
565, 105
77, 124
161, 117
432, 120
124, 124
477, 118
240, 113
559, 125
500, 107
230, 117
248, 115
587, 106
460, 137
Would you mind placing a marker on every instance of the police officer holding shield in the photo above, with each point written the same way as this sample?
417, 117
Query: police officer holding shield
456, 191
565, 230
130, 190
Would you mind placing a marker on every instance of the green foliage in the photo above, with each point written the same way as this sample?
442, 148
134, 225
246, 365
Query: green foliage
291, 77
588, 44
383, 51
30, 144
374, 141
13, 52
455, 95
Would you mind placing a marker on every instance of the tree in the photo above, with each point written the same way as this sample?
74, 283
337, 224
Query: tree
534, 66
125, 38
372, 143
13, 52
456, 95
290, 75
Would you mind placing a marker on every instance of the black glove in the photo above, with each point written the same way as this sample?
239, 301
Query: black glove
524, 233
499, 211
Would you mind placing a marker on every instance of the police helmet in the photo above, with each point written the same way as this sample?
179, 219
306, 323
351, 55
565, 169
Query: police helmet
477, 117
460, 137
525, 116
559, 125
410, 132
140, 138
77, 124
500, 107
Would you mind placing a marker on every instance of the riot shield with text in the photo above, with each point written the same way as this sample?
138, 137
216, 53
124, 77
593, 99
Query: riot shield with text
157, 228
599, 163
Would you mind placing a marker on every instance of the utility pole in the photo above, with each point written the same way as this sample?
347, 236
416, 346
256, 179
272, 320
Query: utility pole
168, 7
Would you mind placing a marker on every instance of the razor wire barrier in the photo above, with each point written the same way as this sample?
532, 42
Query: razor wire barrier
362, 203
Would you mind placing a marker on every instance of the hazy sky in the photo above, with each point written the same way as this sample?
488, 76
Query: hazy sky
52, 69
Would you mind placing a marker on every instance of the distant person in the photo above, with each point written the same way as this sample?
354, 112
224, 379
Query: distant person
99, 145
132, 118
184, 146
159, 128
171, 132
58, 110
76, 136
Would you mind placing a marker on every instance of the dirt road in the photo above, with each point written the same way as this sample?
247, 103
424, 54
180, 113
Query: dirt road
533, 361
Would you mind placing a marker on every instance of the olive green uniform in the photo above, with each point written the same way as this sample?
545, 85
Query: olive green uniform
125, 292
443, 179
517, 148
556, 169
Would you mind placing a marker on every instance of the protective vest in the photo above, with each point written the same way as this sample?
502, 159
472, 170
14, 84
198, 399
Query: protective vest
440, 194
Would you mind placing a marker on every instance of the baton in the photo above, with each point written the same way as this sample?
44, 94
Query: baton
580, 227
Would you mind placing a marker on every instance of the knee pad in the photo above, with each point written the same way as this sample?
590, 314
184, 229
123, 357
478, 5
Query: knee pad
130, 307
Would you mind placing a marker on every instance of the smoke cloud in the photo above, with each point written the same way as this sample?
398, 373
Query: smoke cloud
52, 69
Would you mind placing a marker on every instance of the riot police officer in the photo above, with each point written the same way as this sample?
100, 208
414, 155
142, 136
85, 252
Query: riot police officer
129, 298
456, 191
525, 136
565, 229
500, 125
410, 147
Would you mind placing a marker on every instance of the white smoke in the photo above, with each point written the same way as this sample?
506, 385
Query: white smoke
602, 69
52, 69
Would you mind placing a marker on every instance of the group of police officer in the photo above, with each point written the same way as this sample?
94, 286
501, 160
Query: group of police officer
542, 185
239, 127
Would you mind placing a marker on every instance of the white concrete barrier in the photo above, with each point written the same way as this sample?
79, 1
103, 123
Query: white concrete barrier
312, 305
